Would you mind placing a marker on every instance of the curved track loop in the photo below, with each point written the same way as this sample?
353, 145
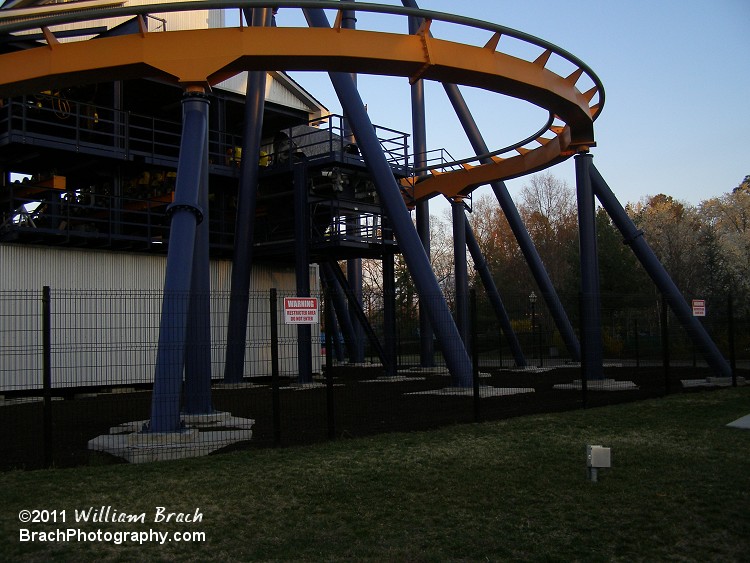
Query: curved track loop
209, 56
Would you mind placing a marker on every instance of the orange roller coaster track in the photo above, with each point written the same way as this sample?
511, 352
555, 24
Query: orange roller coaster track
209, 56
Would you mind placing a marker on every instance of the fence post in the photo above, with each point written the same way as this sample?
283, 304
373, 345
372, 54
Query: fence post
540, 339
695, 357
474, 354
47, 374
276, 402
665, 342
637, 346
730, 328
500, 348
584, 356
330, 412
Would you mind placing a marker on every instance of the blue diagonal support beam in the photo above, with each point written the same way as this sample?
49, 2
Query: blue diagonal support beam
514, 219
454, 351
335, 294
242, 260
337, 274
480, 264
634, 238
516, 224
461, 270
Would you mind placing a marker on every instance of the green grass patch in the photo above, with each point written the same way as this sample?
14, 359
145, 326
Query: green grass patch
500, 491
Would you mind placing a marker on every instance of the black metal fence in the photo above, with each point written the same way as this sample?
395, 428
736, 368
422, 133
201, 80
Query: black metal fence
78, 366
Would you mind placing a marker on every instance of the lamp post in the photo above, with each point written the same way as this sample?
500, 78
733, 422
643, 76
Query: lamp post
532, 301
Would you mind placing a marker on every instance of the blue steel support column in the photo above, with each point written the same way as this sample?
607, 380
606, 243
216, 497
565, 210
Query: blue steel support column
591, 322
354, 275
354, 265
516, 224
242, 259
185, 216
634, 238
302, 268
494, 296
349, 21
389, 302
198, 352
461, 269
419, 134
454, 351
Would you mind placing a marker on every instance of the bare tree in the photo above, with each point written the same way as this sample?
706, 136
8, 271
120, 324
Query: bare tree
672, 229
548, 207
550, 197
728, 219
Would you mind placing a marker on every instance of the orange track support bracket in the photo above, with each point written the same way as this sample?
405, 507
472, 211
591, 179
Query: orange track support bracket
205, 57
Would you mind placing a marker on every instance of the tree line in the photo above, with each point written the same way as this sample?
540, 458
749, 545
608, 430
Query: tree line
705, 248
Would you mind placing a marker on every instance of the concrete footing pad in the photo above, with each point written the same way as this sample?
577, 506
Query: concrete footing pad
743, 423
412, 374
305, 386
598, 385
484, 391
394, 379
240, 385
712, 382
6, 402
202, 434
532, 369
435, 370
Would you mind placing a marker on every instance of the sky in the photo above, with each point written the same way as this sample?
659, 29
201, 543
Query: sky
677, 112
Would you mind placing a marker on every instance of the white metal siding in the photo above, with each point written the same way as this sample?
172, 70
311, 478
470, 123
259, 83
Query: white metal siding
275, 92
106, 310
159, 21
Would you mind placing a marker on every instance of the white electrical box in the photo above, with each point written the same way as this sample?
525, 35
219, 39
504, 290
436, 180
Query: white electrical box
598, 456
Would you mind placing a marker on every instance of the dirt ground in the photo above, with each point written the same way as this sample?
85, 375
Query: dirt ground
360, 407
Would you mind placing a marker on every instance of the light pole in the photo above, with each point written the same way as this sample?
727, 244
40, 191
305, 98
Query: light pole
532, 301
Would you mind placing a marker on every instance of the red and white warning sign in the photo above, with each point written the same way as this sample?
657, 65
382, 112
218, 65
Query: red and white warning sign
699, 307
300, 310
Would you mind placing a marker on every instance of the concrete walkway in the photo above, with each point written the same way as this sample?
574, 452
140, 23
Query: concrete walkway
743, 422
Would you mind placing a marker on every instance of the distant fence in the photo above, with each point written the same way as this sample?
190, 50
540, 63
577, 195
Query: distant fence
76, 364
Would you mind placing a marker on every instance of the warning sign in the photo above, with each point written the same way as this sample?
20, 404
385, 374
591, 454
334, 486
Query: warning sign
699, 307
300, 310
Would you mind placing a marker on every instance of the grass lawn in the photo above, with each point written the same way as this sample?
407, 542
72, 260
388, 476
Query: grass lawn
679, 490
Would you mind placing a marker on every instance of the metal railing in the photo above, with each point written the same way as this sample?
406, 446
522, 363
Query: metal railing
330, 139
52, 120
50, 214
